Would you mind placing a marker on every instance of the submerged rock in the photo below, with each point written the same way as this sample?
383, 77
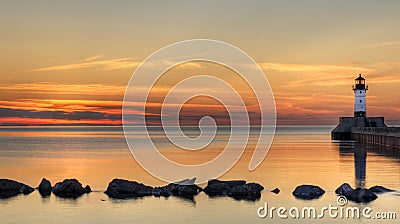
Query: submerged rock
357, 195
69, 188
10, 188
45, 187
308, 192
237, 189
380, 189
122, 189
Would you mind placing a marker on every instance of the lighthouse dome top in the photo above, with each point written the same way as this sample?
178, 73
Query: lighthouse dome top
360, 77
360, 83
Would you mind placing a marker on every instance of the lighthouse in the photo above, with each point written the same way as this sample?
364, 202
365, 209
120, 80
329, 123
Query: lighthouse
360, 90
352, 128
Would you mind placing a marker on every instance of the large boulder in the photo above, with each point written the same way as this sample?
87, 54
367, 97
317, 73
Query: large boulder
122, 189
10, 188
237, 189
308, 192
45, 187
69, 188
357, 195
379, 189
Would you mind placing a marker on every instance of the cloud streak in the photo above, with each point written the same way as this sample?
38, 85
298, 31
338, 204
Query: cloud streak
311, 67
384, 44
93, 62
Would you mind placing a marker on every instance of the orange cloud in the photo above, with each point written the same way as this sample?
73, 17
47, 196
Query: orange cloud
46, 121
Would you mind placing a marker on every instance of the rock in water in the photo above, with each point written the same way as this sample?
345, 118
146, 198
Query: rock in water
308, 192
380, 189
276, 191
45, 187
10, 188
88, 189
344, 189
237, 189
357, 195
250, 191
362, 195
122, 189
220, 188
187, 191
69, 188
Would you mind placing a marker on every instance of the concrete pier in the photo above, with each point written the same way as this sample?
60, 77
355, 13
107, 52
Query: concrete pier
369, 130
389, 136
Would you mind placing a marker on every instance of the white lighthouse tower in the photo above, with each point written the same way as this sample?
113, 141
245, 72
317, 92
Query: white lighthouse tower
360, 90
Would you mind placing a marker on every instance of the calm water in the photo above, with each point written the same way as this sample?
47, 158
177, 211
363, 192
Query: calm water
96, 155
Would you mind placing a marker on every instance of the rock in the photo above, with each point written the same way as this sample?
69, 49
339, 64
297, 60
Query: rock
230, 183
276, 191
308, 192
10, 188
88, 189
220, 188
122, 189
362, 195
45, 187
185, 190
344, 189
164, 191
238, 189
181, 190
130, 189
69, 188
380, 189
250, 191
25, 189
357, 195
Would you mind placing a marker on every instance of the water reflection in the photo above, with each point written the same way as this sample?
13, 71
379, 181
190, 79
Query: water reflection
360, 151
360, 164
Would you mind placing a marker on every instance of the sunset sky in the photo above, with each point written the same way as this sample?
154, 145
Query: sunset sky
68, 62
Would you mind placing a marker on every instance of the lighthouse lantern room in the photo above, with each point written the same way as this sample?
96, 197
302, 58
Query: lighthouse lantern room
360, 90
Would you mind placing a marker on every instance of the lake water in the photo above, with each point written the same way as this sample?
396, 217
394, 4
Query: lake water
96, 155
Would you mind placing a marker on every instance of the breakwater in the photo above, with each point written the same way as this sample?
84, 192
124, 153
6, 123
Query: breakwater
369, 130
389, 136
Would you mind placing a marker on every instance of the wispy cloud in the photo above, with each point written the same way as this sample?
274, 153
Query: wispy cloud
384, 44
94, 57
91, 62
113, 64
311, 67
